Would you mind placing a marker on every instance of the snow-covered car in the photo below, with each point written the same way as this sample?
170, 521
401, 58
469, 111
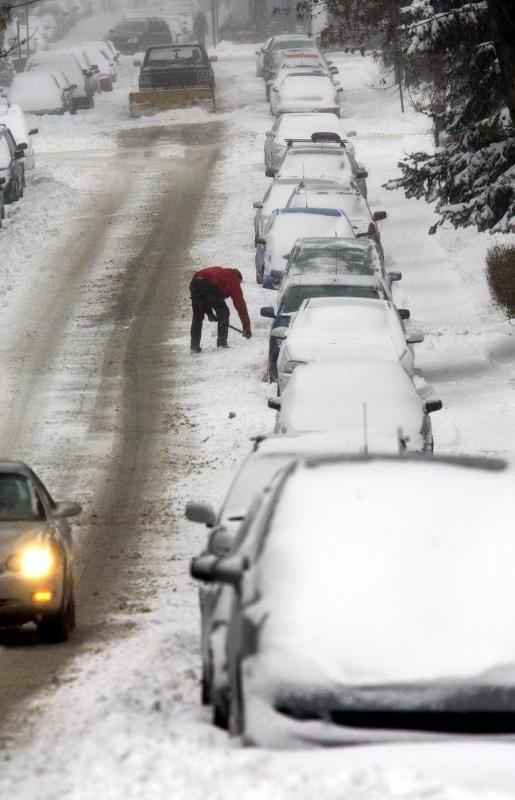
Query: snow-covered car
287, 41
270, 456
346, 197
36, 553
39, 92
100, 55
338, 256
330, 329
359, 619
322, 157
286, 225
112, 51
296, 288
302, 93
259, 57
292, 60
13, 118
90, 69
276, 196
299, 126
83, 85
136, 35
11, 166
369, 402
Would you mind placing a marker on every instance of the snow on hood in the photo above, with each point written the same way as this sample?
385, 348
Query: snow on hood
380, 573
34, 92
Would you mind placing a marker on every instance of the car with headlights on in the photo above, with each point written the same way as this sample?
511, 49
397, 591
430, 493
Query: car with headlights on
333, 328
300, 126
286, 225
371, 403
306, 92
36, 554
297, 288
372, 604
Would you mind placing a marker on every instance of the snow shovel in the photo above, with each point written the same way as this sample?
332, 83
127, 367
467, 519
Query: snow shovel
238, 330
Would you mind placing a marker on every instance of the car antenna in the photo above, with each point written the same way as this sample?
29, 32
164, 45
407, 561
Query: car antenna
365, 430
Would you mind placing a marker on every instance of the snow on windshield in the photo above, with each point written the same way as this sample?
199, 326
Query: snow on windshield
327, 164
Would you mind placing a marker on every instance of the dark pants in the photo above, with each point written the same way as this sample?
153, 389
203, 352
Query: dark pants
205, 298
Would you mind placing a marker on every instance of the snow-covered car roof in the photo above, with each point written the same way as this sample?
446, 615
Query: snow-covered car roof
286, 223
338, 395
348, 198
417, 584
35, 91
302, 126
346, 327
295, 288
66, 62
315, 162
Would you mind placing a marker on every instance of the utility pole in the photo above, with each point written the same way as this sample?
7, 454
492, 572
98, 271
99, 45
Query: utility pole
214, 21
27, 25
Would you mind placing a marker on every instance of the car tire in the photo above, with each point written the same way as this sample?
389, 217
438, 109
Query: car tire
56, 628
221, 712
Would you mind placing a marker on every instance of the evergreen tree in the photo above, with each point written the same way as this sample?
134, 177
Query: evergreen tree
471, 176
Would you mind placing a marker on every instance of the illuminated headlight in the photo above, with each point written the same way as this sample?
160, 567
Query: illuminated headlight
35, 561
291, 365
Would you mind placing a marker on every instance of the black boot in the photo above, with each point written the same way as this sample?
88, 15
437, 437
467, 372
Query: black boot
222, 343
195, 347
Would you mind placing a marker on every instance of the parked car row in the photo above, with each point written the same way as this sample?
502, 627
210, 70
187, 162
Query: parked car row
272, 591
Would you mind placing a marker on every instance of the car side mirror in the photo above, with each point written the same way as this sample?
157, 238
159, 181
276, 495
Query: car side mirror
95, 68
276, 274
2, 181
260, 241
415, 337
279, 333
333, 70
267, 311
33, 131
404, 313
269, 133
218, 570
19, 154
22, 146
379, 215
137, 62
275, 89
361, 173
257, 204
274, 403
201, 512
351, 134
66, 508
433, 405
394, 276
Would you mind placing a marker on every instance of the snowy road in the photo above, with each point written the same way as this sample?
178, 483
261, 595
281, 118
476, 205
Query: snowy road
101, 396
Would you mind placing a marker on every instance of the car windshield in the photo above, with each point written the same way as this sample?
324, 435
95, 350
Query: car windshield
176, 55
328, 164
251, 479
298, 294
131, 26
17, 502
289, 44
336, 260
5, 153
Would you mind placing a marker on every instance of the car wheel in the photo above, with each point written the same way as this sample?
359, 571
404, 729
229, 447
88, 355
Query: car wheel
57, 627
221, 711
21, 189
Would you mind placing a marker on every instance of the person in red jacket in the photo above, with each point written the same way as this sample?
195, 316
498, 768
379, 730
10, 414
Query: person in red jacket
209, 290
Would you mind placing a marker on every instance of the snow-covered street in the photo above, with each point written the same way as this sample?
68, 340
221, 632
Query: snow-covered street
101, 395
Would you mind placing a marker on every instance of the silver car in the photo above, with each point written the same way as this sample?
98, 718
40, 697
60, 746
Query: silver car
36, 555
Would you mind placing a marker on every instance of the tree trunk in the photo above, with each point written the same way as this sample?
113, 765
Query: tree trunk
502, 23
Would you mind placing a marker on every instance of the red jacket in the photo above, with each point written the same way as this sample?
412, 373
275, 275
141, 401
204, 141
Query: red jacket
227, 281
